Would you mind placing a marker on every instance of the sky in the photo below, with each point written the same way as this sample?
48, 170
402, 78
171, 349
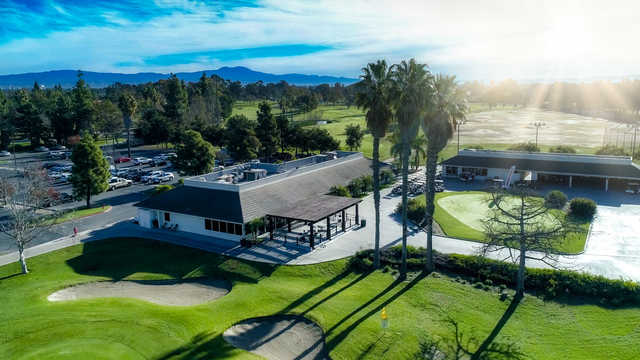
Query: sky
474, 40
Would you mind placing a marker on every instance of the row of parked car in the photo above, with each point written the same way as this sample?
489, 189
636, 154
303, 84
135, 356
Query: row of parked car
159, 160
144, 176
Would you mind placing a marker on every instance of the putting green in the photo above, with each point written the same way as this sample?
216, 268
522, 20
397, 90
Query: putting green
473, 209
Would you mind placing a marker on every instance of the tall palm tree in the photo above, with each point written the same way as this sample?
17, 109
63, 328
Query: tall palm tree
446, 108
373, 95
411, 86
418, 145
128, 106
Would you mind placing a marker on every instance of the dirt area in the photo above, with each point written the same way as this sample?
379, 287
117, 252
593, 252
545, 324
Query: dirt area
163, 292
279, 337
515, 126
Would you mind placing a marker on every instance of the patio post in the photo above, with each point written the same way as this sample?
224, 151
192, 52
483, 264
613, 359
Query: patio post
606, 184
570, 180
328, 227
311, 242
357, 215
344, 222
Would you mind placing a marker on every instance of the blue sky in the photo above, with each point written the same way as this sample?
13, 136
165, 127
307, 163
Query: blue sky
485, 40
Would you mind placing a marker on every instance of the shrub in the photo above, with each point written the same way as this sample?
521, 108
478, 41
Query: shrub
339, 190
162, 188
415, 210
528, 147
386, 177
611, 150
367, 183
356, 187
552, 283
562, 149
555, 199
582, 208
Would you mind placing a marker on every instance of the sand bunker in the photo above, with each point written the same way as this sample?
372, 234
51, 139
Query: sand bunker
164, 292
279, 337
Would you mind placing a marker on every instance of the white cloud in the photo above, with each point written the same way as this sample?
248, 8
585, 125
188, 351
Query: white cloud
476, 39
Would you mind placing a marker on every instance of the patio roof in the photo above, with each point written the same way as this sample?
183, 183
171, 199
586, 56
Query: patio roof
315, 208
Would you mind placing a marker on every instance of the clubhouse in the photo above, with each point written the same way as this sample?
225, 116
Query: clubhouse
509, 167
291, 197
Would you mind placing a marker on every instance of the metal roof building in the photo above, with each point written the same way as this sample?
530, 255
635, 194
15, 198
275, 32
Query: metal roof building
231, 197
512, 166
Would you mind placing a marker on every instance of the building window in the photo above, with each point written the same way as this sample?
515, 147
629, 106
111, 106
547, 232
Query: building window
207, 224
223, 226
238, 229
475, 171
167, 217
452, 170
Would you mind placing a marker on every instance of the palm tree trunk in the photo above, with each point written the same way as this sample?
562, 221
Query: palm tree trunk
376, 199
431, 167
405, 185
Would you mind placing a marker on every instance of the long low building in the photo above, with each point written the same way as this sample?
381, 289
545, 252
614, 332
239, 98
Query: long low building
569, 169
221, 204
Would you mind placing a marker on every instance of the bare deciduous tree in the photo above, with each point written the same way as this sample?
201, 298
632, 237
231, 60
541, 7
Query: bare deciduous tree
523, 228
22, 198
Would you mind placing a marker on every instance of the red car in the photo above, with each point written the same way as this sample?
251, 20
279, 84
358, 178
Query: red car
122, 159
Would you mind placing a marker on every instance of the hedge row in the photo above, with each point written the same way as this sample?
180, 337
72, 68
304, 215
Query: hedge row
551, 283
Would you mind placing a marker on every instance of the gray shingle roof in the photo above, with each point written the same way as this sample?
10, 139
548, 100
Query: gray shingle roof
257, 202
628, 171
315, 208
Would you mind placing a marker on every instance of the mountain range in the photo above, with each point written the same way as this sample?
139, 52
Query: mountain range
68, 78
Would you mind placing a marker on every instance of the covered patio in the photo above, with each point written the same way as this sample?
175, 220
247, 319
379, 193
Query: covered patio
314, 219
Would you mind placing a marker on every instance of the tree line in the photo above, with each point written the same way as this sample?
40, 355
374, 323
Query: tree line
164, 109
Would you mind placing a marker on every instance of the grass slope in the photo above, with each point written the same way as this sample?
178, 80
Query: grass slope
346, 305
460, 215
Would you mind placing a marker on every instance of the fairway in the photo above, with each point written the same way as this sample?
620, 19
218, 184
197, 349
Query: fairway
346, 305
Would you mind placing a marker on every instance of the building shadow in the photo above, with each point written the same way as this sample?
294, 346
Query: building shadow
119, 258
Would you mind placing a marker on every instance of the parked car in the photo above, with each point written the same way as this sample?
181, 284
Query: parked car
57, 155
5, 153
141, 161
146, 178
159, 160
41, 149
164, 177
51, 165
117, 182
137, 174
122, 159
65, 198
121, 173
59, 147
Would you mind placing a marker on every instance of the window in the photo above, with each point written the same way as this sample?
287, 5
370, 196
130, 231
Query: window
167, 217
452, 170
207, 224
475, 171
238, 229
215, 225
223, 226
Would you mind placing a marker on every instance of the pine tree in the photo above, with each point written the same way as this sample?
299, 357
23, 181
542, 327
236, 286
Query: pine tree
176, 104
195, 155
90, 173
267, 130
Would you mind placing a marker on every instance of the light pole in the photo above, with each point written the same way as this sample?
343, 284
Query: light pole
458, 124
538, 125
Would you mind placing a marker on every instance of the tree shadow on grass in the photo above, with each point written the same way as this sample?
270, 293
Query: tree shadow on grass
121, 257
486, 344
10, 276
202, 346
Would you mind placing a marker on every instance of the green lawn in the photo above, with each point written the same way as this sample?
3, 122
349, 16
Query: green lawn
460, 215
346, 305
77, 214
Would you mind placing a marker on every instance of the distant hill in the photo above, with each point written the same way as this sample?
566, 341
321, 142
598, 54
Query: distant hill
67, 78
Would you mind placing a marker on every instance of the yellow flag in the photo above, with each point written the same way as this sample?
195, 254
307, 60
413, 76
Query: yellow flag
383, 315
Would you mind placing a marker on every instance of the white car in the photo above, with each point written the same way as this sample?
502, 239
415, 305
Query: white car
146, 178
116, 183
164, 177
141, 161
5, 153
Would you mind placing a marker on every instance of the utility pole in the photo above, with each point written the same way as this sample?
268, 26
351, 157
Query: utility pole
538, 125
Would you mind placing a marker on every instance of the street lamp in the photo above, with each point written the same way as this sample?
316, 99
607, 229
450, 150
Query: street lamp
538, 125
458, 124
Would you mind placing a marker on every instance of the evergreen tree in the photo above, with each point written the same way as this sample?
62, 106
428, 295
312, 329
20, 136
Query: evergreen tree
6, 128
240, 138
27, 118
82, 105
90, 173
61, 117
354, 136
176, 105
267, 130
195, 155
282, 122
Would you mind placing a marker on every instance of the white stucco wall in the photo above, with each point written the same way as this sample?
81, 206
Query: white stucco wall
145, 217
194, 224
